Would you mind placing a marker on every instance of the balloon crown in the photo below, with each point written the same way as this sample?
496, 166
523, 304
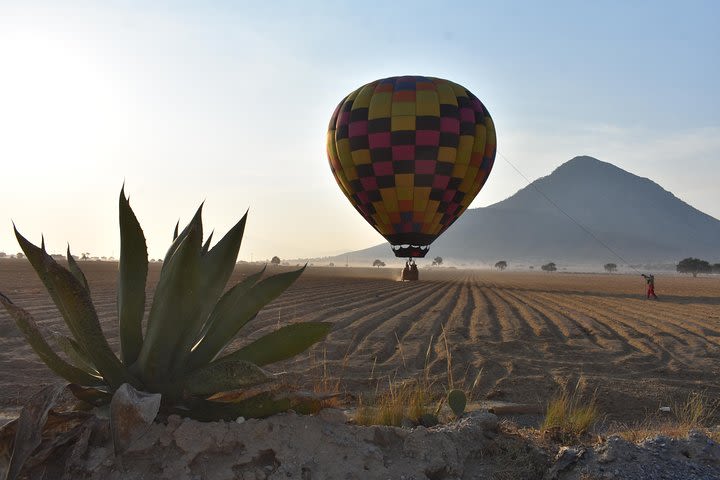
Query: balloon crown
410, 251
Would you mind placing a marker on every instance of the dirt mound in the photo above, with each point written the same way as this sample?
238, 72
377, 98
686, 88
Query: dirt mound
696, 457
325, 446
283, 446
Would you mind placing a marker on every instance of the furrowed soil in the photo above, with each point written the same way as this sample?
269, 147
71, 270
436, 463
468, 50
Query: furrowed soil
521, 335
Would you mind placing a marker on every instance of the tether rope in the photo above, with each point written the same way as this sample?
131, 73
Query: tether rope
583, 227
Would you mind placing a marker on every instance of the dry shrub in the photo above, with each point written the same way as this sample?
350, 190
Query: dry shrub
569, 415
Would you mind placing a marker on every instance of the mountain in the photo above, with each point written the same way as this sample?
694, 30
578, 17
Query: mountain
612, 211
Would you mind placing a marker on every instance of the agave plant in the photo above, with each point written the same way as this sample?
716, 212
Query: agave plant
181, 353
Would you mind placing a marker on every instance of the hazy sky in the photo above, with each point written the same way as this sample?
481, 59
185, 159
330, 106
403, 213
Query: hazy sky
229, 102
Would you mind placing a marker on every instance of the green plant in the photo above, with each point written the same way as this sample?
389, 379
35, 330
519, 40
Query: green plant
457, 400
190, 323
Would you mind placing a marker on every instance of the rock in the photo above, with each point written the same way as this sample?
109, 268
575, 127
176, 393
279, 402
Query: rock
566, 458
131, 413
407, 423
702, 449
386, 436
332, 415
444, 449
486, 421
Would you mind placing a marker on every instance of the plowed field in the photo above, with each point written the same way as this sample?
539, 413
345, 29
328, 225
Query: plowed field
524, 333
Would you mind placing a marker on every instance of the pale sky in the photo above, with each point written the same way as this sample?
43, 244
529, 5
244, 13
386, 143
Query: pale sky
228, 102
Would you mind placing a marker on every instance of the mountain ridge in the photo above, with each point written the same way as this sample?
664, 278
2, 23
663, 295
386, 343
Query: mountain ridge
631, 219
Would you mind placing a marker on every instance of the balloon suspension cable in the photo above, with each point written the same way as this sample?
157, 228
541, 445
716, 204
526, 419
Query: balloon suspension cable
583, 227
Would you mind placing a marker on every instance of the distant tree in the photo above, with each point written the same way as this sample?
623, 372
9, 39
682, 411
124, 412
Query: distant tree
501, 265
3, 255
549, 267
275, 261
19, 255
437, 261
610, 267
85, 256
531, 267
331, 264
378, 263
716, 268
694, 266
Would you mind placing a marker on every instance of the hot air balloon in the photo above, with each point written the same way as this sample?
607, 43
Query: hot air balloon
411, 153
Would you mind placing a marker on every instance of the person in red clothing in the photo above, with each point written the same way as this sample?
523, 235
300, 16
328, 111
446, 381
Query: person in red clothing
650, 279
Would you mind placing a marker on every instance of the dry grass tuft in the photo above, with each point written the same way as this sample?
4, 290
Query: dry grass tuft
328, 387
410, 398
695, 413
402, 400
569, 416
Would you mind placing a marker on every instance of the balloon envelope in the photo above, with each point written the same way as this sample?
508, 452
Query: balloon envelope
411, 153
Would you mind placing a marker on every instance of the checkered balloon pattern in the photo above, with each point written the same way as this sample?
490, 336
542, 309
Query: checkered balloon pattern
411, 153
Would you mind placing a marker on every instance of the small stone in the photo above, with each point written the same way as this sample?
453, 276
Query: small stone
240, 420
131, 414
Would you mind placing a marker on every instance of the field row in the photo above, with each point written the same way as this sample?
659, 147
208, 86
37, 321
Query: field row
523, 334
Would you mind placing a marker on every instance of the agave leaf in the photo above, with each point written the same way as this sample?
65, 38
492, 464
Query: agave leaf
258, 406
93, 396
76, 354
224, 375
235, 309
175, 233
133, 267
281, 344
195, 359
215, 270
206, 247
31, 332
77, 309
194, 225
75, 270
174, 309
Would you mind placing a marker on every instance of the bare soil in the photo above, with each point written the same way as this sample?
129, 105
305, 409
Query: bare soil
526, 334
